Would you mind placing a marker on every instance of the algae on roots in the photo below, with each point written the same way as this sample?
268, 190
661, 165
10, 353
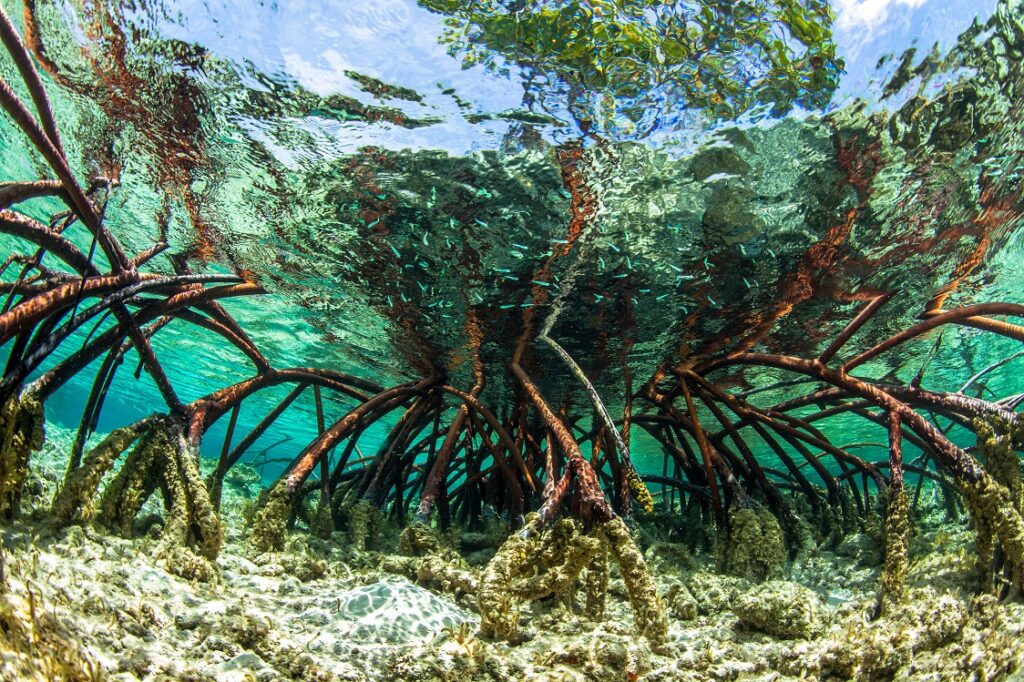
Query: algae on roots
270, 520
996, 442
75, 501
897, 549
532, 564
995, 519
21, 433
564, 552
163, 459
640, 492
648, 609
498, 605
595, 584
363, 524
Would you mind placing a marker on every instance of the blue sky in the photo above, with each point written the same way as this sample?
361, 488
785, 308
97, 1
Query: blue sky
314, 42
867, 29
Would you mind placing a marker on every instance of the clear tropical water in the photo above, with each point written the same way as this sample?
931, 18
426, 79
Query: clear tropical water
447, 190
397, 191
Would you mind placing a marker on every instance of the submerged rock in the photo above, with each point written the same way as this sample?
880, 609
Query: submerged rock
782, 609
861, 548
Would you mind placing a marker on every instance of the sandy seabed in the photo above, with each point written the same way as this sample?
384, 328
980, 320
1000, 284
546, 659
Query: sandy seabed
83, 604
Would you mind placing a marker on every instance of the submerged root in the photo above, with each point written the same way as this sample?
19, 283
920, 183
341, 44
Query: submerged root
995, 520
595, 584
533, 564
996, 504
162, 459
270, 521
897, 550
499, 606
75, 502
648, 609
755, 548
363, 524
641, 494
565, 551
321, 520
21, 433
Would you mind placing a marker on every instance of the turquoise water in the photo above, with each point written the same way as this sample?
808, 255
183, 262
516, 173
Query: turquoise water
560, 271
382, 186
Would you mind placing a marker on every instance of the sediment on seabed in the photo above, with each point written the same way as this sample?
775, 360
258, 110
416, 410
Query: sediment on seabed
480, 541
82, 603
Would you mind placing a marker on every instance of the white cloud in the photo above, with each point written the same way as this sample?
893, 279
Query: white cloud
866, 15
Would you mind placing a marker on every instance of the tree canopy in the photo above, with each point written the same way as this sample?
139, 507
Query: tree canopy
627, 66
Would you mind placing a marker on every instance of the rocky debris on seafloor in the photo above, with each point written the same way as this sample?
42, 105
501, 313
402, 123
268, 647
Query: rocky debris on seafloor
781, 608
860, 548
322, 610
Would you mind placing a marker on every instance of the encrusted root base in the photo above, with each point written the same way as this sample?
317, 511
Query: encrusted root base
21, 432
755, 548
596, 584
995, 519
270, 521
897, 551
75, 502
532, 564
499, 607
163, 459
648, 609
996, 501
364, 524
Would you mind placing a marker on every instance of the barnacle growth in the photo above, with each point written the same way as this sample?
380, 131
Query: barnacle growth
21, 432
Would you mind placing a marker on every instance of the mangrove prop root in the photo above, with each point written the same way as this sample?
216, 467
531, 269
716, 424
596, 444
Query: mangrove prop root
995, 519
997, 440
321, 521
533, 564
565, 552
897, 550
133, 484
897, 527
21, 432
754, 547
595, 584
270, 522
419, 540
499, 607
75, 501
204, 526
996, 502
163, 460
363, 524
648, 609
